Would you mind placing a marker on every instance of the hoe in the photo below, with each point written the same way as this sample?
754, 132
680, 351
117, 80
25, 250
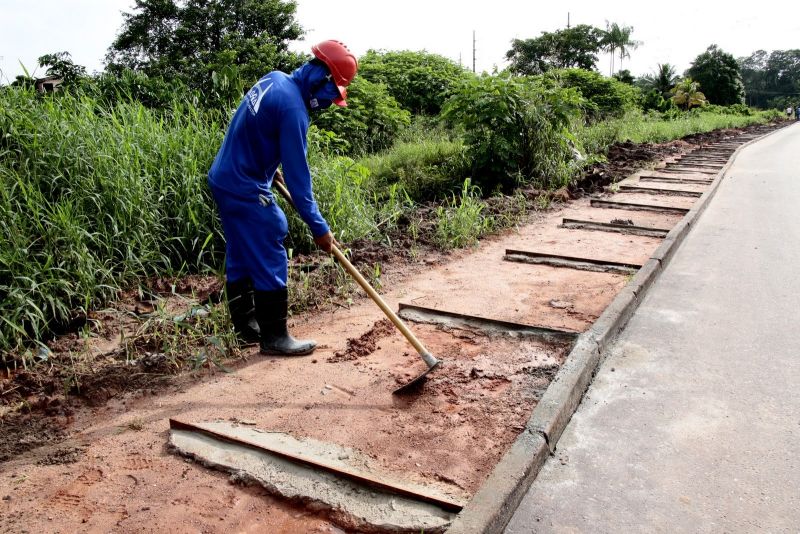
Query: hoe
429, 359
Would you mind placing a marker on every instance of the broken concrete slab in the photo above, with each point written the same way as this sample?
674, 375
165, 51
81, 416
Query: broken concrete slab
350, 504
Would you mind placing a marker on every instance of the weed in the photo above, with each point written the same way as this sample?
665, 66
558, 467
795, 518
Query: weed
542, 202
137, 424
201, 336
461, 221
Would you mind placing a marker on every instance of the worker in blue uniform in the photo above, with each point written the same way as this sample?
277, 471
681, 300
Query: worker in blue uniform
269, 130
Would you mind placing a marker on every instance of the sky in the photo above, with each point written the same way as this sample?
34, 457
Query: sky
673, 33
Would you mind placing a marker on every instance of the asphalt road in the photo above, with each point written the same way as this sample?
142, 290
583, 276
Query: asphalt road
693, 421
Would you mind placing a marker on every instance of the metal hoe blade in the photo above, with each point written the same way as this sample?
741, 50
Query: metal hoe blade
415, 384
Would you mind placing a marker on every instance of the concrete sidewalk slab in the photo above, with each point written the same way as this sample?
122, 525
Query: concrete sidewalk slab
691, 424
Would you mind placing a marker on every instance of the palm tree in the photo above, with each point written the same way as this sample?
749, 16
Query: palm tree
662, 80
686, 94
618, 39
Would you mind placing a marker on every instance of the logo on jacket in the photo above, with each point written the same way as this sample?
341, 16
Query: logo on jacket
257, 93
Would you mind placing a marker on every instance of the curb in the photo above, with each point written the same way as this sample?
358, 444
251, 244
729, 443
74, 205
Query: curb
491, 508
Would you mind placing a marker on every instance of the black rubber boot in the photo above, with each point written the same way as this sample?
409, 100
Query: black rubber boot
243, 310
272, 309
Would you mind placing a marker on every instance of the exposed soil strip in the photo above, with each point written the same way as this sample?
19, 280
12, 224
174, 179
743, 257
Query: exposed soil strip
688, 170
692, 166
583, 264
575, 224
655, 191
444, 318
631, 206
667, 179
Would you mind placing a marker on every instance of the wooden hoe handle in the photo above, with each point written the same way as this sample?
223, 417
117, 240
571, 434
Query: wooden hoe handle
429, 359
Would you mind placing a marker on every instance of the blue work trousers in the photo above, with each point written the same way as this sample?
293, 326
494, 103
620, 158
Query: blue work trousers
254, 233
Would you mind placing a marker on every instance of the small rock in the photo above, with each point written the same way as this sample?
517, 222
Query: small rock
7, 498
328, 386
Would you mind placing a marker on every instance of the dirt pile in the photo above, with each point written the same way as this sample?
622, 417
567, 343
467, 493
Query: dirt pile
366, 344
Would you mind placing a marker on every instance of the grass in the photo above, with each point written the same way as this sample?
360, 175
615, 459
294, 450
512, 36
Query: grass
93, 199
426, 168
638, 127
461, 221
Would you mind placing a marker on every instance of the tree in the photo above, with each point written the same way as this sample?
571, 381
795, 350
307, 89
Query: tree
571, 48
624, 76
662, 80
719, 75
782, 72
771, 79
240, 40
617, 39
60, 65
419, 81
686, 94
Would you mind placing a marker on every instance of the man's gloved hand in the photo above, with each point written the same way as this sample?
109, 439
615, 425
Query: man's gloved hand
326, 242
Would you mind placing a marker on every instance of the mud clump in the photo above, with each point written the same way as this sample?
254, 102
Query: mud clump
624, 222
62, 456
366, 344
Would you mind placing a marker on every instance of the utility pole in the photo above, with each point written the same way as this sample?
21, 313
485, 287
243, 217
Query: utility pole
567, 19
473, 51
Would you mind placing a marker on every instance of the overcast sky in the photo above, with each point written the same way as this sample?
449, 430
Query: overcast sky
670, 32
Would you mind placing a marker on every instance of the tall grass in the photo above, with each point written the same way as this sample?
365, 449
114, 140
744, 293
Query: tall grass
639, 127
93, 199
461, 221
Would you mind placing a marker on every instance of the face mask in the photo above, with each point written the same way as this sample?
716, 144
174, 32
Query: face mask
323, 97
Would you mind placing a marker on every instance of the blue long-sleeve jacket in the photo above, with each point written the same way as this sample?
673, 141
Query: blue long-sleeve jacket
270, 128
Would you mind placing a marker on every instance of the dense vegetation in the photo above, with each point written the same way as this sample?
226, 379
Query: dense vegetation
771, 79
102, 184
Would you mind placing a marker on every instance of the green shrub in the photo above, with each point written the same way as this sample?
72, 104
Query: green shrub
606, 97
654, 100
516, 130
428, 166
734, 109
419, 81
371, 121
132, 86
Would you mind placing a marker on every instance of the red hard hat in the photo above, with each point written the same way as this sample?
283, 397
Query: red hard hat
341, 62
